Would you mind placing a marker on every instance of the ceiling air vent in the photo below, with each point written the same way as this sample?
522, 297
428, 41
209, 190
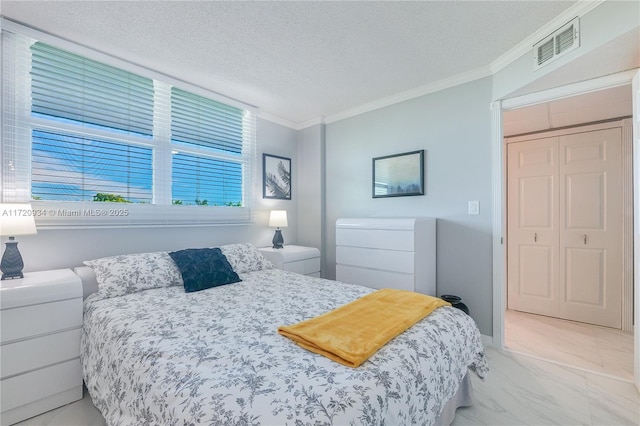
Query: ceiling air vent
561, 41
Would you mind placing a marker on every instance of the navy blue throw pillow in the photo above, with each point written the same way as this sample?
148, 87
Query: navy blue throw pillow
204, 268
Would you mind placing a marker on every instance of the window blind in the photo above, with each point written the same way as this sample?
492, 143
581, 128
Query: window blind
15, 169
206, 181
202, 122
71, 87
79, 127
75, 168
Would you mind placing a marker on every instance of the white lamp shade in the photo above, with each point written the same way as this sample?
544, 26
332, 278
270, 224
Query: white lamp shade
16, 219
278, 218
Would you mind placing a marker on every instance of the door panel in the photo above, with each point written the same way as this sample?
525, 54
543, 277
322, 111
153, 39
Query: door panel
585, 209
591, 226
536, 271
532, 226
564, 226
585, 274
536, 202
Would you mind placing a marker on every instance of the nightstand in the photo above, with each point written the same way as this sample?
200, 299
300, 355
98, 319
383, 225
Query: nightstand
41, 324
303, 260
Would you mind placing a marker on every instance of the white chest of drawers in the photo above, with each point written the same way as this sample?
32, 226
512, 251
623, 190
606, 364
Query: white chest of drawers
300, 259
387, 253
41, 326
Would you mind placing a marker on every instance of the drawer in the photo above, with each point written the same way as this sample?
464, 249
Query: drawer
388, 260
26, 388
31, 354
34, 320
40, 287
376, 238
374, 278
305, 267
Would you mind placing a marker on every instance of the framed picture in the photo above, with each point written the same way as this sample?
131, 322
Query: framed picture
276, 177
399, 175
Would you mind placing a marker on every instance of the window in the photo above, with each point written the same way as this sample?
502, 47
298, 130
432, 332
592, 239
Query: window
74, 168
202, 125
78, 131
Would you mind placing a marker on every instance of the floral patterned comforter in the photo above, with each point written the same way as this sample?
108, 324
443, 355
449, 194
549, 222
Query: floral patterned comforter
165, 357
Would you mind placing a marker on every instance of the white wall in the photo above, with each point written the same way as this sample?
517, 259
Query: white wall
453, 126
52, 249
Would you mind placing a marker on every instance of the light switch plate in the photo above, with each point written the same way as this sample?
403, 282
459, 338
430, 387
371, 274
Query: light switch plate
474, 207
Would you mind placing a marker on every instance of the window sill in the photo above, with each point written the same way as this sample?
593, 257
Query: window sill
83, 215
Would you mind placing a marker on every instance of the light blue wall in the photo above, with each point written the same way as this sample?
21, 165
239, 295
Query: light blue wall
53, 249
311, 186
453, 126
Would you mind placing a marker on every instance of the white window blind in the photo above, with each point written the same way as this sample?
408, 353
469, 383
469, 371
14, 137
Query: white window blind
206, 181
196, 120
211, 172
83, 131
15, 149
74, 168
71, 87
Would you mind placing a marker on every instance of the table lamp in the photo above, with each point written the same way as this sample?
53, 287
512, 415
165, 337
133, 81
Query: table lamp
278, 218
15, 219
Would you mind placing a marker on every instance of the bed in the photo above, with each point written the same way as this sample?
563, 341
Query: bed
153, 353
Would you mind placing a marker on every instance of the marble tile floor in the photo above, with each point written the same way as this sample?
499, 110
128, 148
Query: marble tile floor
584, 346
519, 390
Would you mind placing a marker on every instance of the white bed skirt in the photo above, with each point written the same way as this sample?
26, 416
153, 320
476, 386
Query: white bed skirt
462, 398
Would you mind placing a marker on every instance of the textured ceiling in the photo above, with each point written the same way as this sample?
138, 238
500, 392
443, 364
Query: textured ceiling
297, 60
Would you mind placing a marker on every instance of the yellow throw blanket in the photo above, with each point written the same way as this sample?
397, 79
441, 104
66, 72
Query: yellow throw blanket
353, 332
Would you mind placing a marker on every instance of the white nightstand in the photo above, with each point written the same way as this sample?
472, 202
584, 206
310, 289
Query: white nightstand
303, 260
41, 323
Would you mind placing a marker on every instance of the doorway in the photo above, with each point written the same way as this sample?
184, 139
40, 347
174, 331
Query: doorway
569, 224
503, 119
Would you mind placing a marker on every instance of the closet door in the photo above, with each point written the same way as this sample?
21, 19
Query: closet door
591, 226
565, 215
532, 226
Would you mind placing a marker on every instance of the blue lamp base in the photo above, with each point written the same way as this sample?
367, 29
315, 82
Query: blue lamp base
11, 264
278, 241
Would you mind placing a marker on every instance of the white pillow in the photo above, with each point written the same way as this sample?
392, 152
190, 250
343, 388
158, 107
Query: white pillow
129, 273
245, 257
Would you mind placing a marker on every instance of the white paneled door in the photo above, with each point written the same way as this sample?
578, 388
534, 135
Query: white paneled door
565, 215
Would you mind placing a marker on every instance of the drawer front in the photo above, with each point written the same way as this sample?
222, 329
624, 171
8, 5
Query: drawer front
376, 238
31, 354
388, 260
25, 388
305, 267
30, 321
375, 278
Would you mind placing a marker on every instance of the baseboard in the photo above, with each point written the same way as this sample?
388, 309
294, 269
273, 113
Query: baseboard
487, 340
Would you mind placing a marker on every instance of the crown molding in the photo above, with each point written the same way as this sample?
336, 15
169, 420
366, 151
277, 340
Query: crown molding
413, 93
312, 122
295, 125
277, 119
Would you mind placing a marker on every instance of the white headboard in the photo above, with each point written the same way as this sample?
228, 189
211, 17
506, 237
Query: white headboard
89, 280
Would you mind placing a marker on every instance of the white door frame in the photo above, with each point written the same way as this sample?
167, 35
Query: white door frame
499, 196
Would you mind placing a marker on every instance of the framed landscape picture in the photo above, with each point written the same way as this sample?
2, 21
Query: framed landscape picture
398, 175
276, 177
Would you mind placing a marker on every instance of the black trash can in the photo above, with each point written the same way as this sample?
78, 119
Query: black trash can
456, 302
